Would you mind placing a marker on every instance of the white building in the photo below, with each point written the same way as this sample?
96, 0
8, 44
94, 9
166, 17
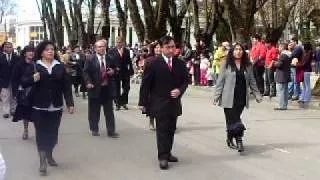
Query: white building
29, 26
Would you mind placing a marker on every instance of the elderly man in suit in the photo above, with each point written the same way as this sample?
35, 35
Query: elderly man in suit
7, 61
98, 75
163, 85
121, 56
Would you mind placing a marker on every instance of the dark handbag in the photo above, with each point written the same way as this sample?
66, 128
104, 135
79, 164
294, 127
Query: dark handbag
25, 94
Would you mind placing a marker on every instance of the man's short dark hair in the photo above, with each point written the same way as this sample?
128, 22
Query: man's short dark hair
295, 39
165, 40
257, 37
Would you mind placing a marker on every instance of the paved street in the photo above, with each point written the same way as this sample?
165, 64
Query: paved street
279, 145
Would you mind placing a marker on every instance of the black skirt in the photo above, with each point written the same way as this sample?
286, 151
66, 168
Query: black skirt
22, 113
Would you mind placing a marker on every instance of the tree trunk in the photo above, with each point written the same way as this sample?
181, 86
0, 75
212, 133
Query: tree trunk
42, 9
51, 19
155, 25
176, 20
136, 20
90, 30
61, 7
82, 36
122, 16
241, 17
105, 5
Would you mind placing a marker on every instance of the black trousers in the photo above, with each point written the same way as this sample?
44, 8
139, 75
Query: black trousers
124, 84
233, 120
47, 125
270, 84
258, 74
94, 113
166, 127
196, 74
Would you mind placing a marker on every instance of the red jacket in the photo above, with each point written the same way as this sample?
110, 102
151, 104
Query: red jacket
272, 55
259, 51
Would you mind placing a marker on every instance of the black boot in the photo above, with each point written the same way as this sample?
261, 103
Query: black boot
239, 144
43, 163
230, 141
50, 159
151, 124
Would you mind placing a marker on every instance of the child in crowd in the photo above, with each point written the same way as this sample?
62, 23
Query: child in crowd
204, 65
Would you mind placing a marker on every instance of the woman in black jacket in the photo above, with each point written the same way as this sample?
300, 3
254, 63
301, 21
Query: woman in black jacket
23, 110
49, 84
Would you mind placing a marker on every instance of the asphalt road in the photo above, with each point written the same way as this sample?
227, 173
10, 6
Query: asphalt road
279, 145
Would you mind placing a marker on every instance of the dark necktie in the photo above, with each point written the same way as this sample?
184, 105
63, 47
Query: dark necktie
170, 64
104, 76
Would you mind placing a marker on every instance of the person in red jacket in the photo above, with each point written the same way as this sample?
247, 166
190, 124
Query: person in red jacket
271, 57
258, 56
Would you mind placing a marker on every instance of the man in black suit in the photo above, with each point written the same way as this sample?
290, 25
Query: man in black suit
124, 70
98, 75
7, 61
162, 87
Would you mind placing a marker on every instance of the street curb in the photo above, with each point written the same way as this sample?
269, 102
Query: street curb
313, 104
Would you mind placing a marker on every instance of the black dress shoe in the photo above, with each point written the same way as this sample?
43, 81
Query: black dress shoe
265, 94
117, 108
125, 107
6, 116
95, 133
163, 164
230, 144
173, 159
113, 135
280, 109
239, 144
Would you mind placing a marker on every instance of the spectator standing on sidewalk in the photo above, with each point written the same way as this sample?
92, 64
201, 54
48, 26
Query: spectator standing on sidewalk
283, 76
258, 57
317, 59
296, 56
306, 69
271, 58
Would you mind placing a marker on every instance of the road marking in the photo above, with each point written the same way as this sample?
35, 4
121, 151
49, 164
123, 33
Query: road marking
282, 150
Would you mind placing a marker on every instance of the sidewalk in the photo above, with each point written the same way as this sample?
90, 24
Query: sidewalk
314, 103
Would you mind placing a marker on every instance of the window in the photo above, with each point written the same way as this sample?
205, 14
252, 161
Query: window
36, 34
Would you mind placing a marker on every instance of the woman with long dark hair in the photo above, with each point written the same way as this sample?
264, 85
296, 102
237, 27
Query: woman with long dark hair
155, 52
23, 110
50, 83
232, 92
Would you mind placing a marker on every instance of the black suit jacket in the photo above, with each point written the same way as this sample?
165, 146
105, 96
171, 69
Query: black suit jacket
124, 63
283, 69
51, 88
92, 75
157, 84
6, 69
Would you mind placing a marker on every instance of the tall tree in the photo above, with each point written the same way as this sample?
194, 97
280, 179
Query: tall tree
92, 4
136, 20
275, 16
176, 18
105, 5
213, 11
240, 16
155, 17
122, 16
43, 15
6, 8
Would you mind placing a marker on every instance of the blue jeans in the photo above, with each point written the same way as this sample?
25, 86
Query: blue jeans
294, 87
283, 95
306, 91
317, 67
